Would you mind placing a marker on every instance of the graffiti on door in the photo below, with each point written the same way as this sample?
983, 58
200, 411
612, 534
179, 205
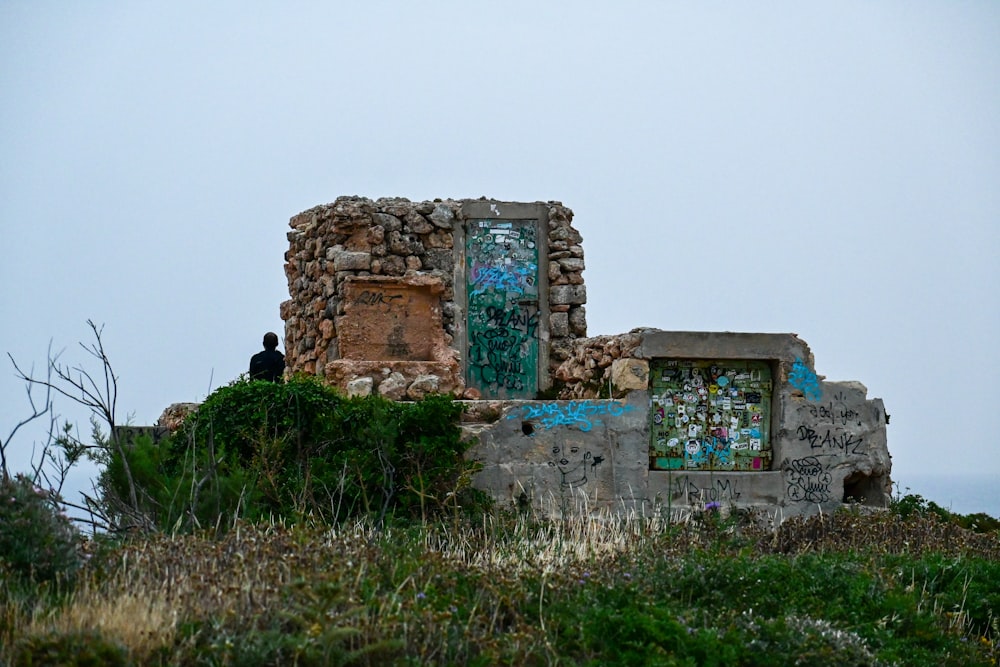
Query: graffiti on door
502, 281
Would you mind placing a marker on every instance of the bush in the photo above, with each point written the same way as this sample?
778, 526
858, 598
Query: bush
911, 504
914, 504
38, 543
261, 450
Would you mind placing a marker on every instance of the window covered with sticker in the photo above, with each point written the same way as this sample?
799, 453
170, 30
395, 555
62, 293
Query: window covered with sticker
710, 415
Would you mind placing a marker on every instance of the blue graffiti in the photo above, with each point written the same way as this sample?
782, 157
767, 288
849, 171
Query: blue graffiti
805, 379
698, 452
504, 277
581, 414
722, 451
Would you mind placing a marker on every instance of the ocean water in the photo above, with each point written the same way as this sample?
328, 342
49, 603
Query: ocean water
964, 493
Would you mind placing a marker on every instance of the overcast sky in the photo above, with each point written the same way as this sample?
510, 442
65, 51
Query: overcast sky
829, 169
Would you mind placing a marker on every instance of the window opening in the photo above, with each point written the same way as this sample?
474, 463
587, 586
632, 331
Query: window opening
710, 415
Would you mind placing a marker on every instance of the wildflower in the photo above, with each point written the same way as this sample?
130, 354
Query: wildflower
712, 506
628, 575
420, 595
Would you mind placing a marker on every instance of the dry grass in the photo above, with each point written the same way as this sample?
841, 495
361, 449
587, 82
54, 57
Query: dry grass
362, 586
142, 623
881, 532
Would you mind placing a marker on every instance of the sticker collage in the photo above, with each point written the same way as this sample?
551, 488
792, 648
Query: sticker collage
710, 415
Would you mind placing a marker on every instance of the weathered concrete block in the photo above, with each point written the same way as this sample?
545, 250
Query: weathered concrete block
559, 324
386, 319
572, 264
571, 294
346, 260
578, 321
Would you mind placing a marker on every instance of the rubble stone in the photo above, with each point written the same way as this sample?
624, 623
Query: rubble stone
393, 387
422, 386
174, 415
360, 387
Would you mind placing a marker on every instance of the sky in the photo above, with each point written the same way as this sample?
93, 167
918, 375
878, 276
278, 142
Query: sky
830, 169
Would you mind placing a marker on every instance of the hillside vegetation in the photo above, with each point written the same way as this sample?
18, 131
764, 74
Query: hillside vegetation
288, 526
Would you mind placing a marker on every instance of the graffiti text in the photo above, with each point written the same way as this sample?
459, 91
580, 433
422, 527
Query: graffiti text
808, 481
582, 414
845, 442
714, 490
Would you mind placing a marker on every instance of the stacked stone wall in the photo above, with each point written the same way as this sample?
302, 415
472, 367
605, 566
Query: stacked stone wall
355, 237
567, 292
589, 367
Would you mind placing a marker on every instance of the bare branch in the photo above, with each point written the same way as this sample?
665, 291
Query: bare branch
99, 394
37, 411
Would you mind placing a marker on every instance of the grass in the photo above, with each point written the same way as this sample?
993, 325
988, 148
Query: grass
850, 588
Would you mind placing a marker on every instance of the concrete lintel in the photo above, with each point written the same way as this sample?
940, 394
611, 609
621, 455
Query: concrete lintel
435, 284
723, 345
503, 210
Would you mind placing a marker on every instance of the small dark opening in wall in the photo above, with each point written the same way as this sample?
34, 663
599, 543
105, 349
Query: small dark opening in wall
863, 489
528, 428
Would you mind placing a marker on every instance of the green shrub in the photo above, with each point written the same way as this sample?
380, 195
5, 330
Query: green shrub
979, 522
262, 450
914, 504
911, 504
38, 543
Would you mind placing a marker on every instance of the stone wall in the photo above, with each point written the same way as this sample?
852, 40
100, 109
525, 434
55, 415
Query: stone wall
357, 256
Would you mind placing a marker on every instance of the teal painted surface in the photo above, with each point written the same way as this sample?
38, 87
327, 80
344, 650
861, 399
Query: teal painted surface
503, 313
710, 415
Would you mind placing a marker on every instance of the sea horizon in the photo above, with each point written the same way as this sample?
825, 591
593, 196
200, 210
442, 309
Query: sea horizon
962, 493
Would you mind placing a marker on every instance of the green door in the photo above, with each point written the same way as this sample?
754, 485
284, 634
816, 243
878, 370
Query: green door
503, 312
710, 414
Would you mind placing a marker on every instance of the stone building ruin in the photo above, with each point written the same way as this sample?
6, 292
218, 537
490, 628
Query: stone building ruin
390, 294
486, 300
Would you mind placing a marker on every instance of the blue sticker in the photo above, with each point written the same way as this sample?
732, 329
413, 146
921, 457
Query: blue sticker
722, 381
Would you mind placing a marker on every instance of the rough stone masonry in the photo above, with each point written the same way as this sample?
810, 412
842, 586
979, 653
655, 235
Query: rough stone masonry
380, 292
485, 300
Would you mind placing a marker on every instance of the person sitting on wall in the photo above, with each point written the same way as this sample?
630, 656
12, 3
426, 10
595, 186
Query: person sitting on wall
268, 364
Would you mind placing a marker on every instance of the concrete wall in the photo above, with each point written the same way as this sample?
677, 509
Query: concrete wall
828, 440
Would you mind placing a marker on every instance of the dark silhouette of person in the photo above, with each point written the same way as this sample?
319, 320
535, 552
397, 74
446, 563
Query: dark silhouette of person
268, 364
